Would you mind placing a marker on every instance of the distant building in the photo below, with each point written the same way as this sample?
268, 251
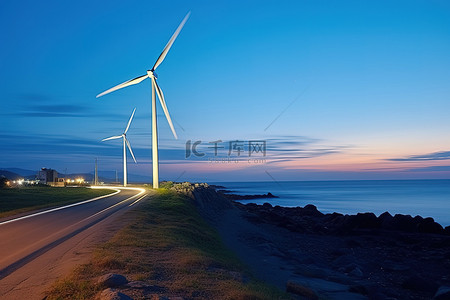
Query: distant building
47, 176
58, 182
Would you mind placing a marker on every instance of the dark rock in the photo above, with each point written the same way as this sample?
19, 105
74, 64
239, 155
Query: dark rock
110, 294
351, 243
403, 223
156, 297
417, 219
248, 197
419, 284
112, 280
332, 218
267, 205
443, 293
137, 285
359, 289
312, 271
447, 230
356, 272
310, 207
301, 290
428, 225
385, 220
338, 252
311, 210
395, 267
352, 269
344, 260
367, 220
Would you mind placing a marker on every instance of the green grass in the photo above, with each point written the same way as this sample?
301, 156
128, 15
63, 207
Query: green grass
167, 243
23, 199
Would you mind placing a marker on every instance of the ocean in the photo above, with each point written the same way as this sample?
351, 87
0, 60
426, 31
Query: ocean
427, 198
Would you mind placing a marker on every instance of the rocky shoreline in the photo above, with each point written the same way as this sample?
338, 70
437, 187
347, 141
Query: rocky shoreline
310, 220
335, 256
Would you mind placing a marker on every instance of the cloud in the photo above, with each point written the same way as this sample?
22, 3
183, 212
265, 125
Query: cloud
442, 155
430, 169
48, 110
60, 108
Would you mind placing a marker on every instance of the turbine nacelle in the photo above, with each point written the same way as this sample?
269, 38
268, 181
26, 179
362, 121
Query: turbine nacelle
124, 136
152, 74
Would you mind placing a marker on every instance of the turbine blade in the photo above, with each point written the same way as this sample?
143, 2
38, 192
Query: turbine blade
164, 106
131, 151
129, 121
124, 84
169, 44
112, 138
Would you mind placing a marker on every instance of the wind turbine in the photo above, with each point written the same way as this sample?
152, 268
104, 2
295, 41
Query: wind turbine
152, 75
126, 144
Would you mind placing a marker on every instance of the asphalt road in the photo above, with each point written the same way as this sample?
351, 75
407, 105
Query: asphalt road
33, 243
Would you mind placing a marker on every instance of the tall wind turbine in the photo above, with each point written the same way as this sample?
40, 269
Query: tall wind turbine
126, 144
152, 75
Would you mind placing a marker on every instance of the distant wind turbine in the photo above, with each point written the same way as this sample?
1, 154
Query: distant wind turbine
152, 75
126, 144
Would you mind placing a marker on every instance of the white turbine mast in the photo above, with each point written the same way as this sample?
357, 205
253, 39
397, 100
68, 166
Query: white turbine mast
152, 75
126, 144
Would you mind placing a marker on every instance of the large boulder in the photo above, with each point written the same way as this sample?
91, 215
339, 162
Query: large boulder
419, 284
110, 294
301, 290
443, 293
428, 225
311, 210
366, 220
404, 223
386, 220
112, 280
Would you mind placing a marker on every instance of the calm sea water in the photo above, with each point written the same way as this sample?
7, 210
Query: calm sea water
428, 198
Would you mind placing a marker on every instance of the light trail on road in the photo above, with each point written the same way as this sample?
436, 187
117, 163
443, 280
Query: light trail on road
28, 240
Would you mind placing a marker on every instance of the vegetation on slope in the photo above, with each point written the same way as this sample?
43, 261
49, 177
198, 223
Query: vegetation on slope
167, 245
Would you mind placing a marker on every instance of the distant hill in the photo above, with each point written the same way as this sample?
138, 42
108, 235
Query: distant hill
21, 172
10, 175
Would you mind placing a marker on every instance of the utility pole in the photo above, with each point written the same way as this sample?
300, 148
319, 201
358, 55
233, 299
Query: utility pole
96, 173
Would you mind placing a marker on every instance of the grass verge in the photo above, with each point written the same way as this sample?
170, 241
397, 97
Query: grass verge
169, 246
23, 199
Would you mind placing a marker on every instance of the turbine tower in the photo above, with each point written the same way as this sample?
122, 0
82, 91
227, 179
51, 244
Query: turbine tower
155, 87
126, 144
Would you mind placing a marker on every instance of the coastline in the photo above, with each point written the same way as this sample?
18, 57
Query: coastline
314, 255
426, 198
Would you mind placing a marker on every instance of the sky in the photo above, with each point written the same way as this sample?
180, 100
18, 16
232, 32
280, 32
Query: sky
330, 90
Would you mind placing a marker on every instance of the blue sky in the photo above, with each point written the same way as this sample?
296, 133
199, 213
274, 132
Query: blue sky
338, 90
